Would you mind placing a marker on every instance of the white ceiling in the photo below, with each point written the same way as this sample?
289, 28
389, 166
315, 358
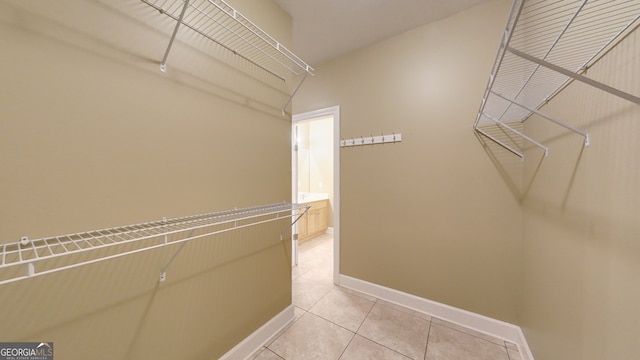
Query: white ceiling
325, 29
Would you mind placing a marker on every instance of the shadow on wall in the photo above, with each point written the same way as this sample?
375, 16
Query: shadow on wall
510, 166
138, 36
117, 309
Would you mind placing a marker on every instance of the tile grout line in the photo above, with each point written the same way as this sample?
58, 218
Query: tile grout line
366, 316
364, 337
331, 321
355, 333
271, 351
377, 301
346, 347
383, 345
509, 355
472, 335
467, 333
426, 346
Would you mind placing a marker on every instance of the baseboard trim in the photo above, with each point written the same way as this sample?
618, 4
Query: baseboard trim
481, 323
523, 346
261, 336
329, 230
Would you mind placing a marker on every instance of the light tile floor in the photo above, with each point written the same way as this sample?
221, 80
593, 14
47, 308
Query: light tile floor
333, 322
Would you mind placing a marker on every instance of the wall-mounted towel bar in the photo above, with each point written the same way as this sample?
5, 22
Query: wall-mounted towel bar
28, 254
371, 140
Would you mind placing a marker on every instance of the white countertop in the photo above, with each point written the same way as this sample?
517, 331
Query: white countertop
305, 197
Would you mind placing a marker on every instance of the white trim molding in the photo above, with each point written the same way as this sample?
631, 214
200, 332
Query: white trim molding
496, 328
251, 344
335, 112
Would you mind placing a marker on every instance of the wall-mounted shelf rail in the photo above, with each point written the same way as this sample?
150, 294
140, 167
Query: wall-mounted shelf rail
28, 258
219, 22
371, 140
547, 44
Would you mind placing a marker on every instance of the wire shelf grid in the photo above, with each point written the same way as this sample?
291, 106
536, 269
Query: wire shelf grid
219, 22
138, 237
547, 45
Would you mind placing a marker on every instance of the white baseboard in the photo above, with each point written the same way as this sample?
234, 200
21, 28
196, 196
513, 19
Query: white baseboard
329, 230
496, 328
262, 336
523, 346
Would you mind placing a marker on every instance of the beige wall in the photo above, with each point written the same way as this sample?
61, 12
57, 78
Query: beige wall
582, 220
430, 216
94, 136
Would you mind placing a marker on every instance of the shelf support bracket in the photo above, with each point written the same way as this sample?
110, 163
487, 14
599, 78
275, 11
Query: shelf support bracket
300, 215
555, 121
163, 64
505, 126
163, 272
516, 10
284, 108
575, 76
505, 146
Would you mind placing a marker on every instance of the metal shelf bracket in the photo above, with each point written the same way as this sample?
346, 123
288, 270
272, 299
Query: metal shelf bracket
145, 236
222, 24
163, 64
546, 46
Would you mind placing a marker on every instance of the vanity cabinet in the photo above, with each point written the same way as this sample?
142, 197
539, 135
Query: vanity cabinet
315, 221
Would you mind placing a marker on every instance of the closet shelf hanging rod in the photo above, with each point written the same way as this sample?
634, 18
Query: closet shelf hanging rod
529, 139
219, 22
502, 144
550, 118
576, 76
149, 236
546, 45
558, 37
514, 15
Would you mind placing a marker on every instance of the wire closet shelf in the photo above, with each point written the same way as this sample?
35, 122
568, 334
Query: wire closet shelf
547, 45
221, 23
19, 260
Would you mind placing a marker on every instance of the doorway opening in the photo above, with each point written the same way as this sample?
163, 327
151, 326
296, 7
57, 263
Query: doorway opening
316, 178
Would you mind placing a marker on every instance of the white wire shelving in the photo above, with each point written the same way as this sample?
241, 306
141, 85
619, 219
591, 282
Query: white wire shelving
219, 22
546, 45
29, 258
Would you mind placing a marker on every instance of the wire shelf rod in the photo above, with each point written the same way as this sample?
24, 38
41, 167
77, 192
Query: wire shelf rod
550, 118
514, 15
555, 42
237, 33
131, 252
48, 247
552, 44
585, 65
502, 144
219, 22
222, 44
207, 224
578, 77
529, 139
163, 64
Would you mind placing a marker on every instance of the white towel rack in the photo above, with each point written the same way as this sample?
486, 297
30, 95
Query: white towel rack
546, 45
125, 240
219, 22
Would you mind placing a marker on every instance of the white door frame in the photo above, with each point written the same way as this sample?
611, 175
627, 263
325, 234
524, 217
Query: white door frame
335, 112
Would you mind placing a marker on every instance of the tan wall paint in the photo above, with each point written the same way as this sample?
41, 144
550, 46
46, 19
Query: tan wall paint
582, 220
94, 135
430, 216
